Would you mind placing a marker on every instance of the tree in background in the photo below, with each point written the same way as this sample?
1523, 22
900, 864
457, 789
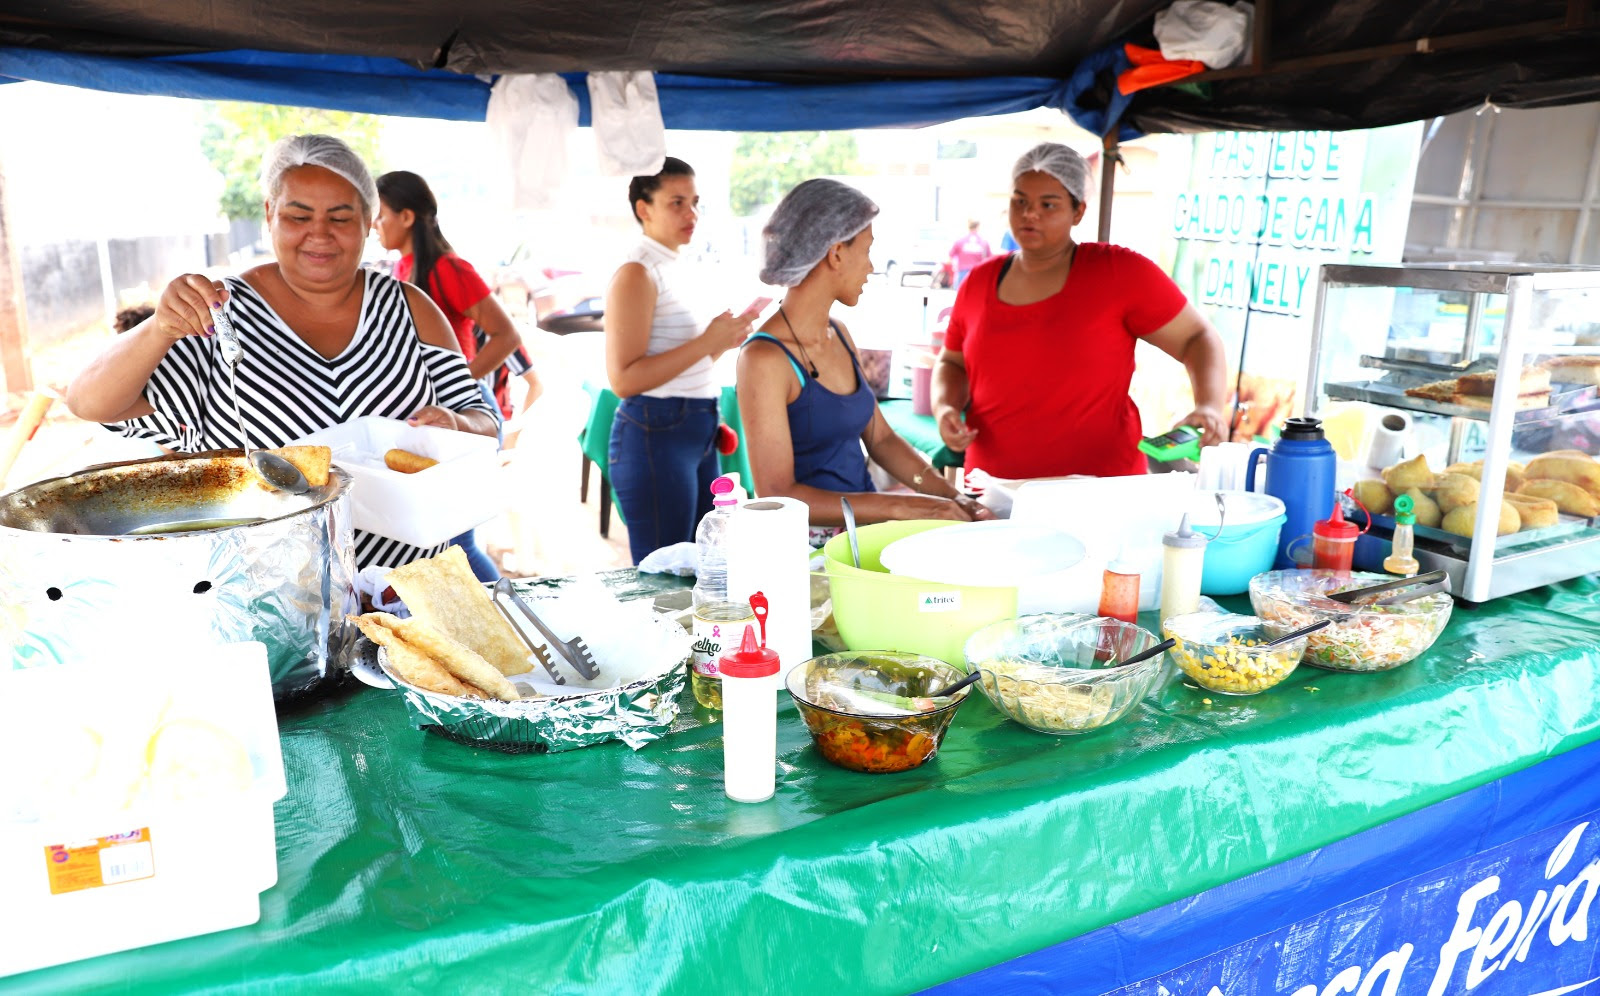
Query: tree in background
235, 136
768, 165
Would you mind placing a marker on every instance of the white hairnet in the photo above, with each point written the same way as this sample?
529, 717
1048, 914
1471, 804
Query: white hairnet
1059, 161
318, 150
809, 220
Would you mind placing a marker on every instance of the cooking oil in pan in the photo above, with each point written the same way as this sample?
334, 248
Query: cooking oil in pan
192, 525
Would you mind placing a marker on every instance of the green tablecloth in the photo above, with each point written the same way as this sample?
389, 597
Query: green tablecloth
409, 863
595, 437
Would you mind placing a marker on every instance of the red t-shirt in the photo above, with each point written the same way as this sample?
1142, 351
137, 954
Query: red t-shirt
969, 251
455, 286
1049, 380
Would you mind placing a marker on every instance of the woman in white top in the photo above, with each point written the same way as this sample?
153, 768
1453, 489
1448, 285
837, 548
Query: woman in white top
663, 455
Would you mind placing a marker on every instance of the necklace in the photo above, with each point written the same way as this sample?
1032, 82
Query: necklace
809, 361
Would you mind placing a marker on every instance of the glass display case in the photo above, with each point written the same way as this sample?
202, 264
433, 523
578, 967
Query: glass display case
1487, 372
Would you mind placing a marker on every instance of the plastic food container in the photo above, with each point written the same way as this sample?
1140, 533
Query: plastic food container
875, 610
1360, 637
868, 710
1057, 673
1241, 546
464, 489
1224, 653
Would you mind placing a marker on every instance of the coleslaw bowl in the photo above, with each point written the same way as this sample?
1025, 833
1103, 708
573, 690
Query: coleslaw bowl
1362, 637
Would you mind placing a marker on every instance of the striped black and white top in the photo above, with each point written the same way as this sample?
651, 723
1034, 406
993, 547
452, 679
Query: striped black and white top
673, 324
289, 390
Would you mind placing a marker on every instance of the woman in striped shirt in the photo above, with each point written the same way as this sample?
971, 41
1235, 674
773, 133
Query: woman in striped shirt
325, 341
658, 358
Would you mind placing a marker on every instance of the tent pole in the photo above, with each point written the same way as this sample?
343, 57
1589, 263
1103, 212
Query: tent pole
15, 369
1109, 157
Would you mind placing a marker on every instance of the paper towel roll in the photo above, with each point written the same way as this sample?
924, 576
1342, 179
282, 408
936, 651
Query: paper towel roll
767, 552
1390, 440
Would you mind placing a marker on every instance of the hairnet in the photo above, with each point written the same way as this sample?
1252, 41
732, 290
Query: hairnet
1059, 161
809, 220
318, 150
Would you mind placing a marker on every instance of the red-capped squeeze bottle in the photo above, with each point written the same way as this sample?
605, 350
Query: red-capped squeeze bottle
749, 721
1333, 541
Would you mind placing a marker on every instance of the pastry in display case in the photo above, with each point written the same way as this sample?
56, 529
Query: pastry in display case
1487, 378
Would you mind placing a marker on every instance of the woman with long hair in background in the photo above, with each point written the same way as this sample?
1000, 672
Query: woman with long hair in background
408, 222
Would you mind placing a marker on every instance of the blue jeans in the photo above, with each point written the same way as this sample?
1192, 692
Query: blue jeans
481, 565
662, 459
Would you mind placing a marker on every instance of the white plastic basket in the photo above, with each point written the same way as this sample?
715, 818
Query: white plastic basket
464, 489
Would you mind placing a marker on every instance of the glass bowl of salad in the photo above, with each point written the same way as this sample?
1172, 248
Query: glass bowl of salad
1225, 653
869, 710
1361, 637
1059, 673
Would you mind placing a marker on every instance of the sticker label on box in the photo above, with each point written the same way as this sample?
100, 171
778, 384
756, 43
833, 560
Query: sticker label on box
90, 864
939, 601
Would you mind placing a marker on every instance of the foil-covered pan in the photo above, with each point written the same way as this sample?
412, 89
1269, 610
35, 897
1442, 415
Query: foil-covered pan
185, 547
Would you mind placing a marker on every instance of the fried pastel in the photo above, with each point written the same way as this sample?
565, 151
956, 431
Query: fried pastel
467, 666
413, 666
1568, 497
1536, 513
443, 592
312, 461
1583, 471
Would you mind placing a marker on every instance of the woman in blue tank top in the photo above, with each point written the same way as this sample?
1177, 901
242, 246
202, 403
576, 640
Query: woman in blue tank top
810, 419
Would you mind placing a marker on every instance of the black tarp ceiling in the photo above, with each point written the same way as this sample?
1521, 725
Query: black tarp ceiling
1321, 70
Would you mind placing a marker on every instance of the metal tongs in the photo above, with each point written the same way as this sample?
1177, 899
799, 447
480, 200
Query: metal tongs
1431, 582
573, 652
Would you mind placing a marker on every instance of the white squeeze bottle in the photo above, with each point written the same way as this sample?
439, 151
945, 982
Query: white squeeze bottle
1183, 557
749, 721
717, 620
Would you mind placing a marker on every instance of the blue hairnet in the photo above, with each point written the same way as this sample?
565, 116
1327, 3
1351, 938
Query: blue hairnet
1059, 161
810, 220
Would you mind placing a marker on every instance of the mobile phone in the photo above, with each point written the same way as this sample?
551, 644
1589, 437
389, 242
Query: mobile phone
1182, 442
758, 305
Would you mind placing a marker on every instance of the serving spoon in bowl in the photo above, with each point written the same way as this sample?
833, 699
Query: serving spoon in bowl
273, 470
850, 527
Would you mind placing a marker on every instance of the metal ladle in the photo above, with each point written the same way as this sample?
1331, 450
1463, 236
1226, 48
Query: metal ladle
273, 470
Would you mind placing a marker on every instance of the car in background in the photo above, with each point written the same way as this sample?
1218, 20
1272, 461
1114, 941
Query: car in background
558, 299
914, 259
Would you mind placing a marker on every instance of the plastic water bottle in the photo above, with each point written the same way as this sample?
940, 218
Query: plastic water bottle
718, 621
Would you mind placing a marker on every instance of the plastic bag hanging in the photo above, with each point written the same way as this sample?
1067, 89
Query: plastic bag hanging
531, 119
1213, 33
626, 116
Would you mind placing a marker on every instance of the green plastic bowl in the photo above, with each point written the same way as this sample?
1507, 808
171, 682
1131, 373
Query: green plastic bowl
876, 610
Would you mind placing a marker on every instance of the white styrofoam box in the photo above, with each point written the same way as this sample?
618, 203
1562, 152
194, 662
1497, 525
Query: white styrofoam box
142, 787
466, 488
207, 866
1110, 515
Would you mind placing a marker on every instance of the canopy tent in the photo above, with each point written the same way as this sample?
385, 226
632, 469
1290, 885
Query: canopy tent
809, 64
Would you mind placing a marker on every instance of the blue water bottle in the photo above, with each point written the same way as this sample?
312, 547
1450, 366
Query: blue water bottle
1301, 471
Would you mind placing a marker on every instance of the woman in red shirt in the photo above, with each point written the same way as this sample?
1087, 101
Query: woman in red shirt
408, 222
1039, 350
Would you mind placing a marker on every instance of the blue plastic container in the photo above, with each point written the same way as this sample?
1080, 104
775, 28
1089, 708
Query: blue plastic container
1247, 543
1301, 467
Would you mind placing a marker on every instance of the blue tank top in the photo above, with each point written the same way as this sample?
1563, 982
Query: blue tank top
825, 428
